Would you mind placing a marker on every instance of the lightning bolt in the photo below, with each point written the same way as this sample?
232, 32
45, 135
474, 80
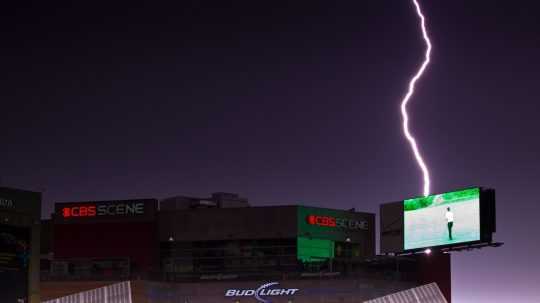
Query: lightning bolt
408, 96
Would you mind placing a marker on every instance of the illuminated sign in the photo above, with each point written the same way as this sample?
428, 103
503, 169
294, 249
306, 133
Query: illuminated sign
335, 222
263, 290
6, 203
109, 209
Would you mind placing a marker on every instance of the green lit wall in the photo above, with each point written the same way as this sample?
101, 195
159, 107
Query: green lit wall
321, 230
312, 250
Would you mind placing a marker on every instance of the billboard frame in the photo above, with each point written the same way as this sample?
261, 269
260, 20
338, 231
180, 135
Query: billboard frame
487, 225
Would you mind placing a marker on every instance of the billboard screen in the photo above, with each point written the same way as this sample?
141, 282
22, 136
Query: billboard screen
442, 219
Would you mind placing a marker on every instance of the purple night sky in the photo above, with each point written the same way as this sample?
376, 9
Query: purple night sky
283, 102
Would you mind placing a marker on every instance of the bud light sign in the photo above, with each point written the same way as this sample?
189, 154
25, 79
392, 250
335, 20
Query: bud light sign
265, 290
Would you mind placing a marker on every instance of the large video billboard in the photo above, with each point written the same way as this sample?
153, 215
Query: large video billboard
442, 219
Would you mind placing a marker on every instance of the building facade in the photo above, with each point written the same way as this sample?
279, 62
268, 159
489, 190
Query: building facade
188, 238
174, 252
104, 239
20, 213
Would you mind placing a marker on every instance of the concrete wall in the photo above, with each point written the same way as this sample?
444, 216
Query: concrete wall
228, 223
134, 240
391, 227
309, 291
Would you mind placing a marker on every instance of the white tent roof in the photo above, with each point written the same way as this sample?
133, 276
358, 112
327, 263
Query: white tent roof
429, 293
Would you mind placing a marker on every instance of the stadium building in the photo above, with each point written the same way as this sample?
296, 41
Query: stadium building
20, 213
221, 249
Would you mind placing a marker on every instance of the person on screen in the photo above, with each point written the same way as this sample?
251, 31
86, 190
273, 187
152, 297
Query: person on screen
450, 220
